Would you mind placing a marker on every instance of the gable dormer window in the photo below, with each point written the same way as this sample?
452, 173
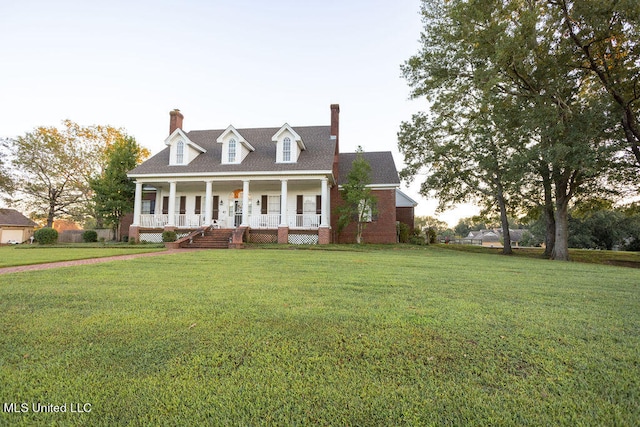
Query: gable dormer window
233, 146
181, 149
180, 153
289, 145
286, 150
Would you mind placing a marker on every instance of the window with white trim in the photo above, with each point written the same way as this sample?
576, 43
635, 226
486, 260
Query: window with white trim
286, 150
274, 205
180, 152
233, 147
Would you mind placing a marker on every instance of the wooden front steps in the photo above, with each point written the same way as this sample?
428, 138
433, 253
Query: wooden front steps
216, 238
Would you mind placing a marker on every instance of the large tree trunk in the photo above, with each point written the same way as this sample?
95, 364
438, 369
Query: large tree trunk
51, 214
506, 235
548, 212
561, 248
550, 232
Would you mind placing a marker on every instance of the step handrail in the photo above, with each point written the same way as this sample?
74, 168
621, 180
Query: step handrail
190, 236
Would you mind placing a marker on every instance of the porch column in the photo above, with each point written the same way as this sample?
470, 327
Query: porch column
283, 204
283, 227
158, 209
172, 204
245, 203
137, 205
324, 209
208, 212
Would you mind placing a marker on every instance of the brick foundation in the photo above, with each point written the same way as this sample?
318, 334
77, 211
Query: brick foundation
134, 233
324, 235
283, 235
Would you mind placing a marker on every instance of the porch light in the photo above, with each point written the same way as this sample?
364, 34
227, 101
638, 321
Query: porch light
221, 203
258, 202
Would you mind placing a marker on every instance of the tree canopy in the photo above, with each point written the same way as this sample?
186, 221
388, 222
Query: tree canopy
52, 168
514, 120
114, 192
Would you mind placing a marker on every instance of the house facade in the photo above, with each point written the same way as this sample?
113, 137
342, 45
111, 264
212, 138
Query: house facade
277, 184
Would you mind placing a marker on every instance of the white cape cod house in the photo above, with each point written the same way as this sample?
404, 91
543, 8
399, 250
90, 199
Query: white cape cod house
265, 184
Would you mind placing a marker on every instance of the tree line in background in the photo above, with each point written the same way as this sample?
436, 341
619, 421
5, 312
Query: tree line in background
73, 172
533, 108
593, 225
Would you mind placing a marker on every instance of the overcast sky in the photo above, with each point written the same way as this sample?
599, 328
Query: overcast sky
248, 63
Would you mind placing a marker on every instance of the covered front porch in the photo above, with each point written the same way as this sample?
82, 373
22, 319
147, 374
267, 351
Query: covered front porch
283, 206
257, 221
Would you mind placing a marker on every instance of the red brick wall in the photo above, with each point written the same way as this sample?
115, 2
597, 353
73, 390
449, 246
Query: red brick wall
406, 216
383, 230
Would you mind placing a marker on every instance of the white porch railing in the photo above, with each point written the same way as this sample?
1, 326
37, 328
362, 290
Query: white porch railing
309, 221
153, 221
180, 220
268, 221
264, 221
189, 220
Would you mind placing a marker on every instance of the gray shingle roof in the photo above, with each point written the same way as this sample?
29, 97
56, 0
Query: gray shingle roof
318, 155
13, 217
383, 168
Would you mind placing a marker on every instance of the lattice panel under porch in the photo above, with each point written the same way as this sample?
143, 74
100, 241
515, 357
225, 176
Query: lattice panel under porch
156, 237
150, 237
303, 239
258, 237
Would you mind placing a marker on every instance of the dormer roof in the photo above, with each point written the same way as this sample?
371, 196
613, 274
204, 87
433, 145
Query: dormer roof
185, 138
294, 134
239, 137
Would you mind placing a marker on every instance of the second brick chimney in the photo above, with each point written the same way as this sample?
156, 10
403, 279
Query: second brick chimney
335, 133
175, 120
335, 120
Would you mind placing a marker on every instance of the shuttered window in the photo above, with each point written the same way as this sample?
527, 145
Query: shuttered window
299, 201
216, 201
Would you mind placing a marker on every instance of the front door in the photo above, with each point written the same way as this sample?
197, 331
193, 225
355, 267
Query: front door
237, 212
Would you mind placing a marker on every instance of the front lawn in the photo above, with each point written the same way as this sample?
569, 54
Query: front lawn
589, 256
11, 256
415, 336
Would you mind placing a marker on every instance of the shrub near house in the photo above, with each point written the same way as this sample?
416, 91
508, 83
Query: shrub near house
46, 236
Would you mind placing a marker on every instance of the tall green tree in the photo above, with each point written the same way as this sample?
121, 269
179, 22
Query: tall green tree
52, 169
359, 202
525, 121
113, 191
50, 174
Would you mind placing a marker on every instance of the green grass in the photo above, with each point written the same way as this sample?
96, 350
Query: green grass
413, 336
619, 258
11, 256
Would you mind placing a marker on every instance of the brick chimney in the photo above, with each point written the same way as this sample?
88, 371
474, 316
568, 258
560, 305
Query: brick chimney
175, 121
335, 120
335, 133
